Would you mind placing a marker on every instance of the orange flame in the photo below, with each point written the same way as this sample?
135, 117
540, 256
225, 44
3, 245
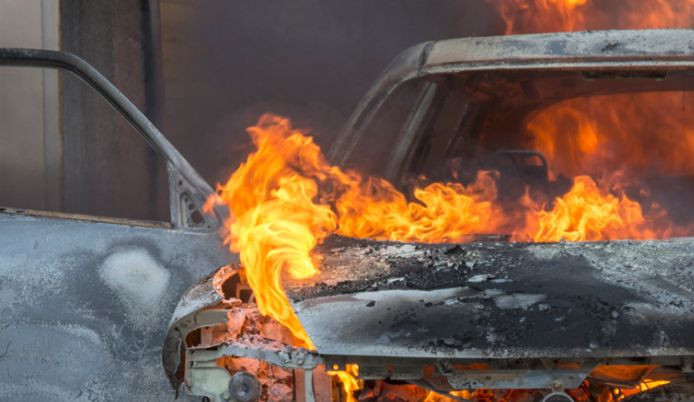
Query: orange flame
348, 379
547, 15
373, 208
642, 133
275, 223
527, 16
285, 199
624, 138
281, 200
588, 213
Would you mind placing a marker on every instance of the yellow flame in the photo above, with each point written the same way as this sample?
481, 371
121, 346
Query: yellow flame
349, 381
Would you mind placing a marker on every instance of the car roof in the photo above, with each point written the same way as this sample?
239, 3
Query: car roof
613, 49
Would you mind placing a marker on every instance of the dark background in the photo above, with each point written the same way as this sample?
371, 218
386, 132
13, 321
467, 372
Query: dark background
203, 71
227, 62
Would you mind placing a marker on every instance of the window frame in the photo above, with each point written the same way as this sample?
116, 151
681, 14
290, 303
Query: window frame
188, 191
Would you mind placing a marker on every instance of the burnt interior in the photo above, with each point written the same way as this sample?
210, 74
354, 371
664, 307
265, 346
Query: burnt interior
448, 127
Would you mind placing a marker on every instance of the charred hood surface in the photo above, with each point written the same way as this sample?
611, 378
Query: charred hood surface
500, 300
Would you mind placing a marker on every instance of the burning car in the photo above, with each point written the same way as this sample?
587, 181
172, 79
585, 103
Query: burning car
492, 228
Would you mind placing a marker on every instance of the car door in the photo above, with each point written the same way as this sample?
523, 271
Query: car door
85, 301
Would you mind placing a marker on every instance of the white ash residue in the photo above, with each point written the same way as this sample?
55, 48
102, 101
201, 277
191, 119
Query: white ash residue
637, 265
479, 278
404, 250
518, 300
138, 280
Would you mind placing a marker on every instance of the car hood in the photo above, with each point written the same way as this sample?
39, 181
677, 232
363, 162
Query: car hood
500, 300
482, 300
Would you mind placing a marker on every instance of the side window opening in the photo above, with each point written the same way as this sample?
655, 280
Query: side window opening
417, 124
447, 123
77, 155
376, 145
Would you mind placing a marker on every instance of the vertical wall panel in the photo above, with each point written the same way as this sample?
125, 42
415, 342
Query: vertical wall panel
30, 149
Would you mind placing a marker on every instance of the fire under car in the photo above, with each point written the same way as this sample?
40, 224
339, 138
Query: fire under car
489, 318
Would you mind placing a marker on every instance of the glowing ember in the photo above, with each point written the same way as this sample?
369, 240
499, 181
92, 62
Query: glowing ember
645, 386
434, 397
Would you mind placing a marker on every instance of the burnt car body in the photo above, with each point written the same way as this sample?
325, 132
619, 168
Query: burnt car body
486, 314
84, 300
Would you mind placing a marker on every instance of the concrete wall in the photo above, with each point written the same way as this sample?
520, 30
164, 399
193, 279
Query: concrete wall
30, 141
109, 169
62, 148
